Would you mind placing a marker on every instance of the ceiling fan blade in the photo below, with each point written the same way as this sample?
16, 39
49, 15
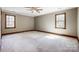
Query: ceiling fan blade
40, 9
27, 7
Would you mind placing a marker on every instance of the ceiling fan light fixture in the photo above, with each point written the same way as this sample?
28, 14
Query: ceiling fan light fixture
35, 9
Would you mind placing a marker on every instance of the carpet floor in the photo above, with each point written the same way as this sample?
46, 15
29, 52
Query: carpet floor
34, 41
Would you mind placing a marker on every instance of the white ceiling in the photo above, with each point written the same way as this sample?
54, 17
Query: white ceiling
26, 12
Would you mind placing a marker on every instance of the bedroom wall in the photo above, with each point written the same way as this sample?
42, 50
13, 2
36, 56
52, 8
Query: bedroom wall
0, 23
47, 23
78, 24
0, 29
23, 23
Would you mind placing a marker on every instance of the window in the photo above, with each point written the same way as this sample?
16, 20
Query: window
10, 21
60, 21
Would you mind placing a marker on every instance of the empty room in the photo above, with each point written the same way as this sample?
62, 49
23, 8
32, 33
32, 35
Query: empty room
39, 29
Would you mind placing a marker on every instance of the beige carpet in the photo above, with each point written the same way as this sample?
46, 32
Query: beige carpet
38, 42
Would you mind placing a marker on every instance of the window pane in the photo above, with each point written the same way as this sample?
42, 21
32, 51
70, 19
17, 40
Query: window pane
60, 21
9, 21
60, 24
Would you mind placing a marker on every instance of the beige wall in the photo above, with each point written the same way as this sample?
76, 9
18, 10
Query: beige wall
22, 23
0, 23
47, 22
78, 24
0, 28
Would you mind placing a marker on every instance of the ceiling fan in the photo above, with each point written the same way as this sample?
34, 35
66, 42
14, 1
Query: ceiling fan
34, 9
